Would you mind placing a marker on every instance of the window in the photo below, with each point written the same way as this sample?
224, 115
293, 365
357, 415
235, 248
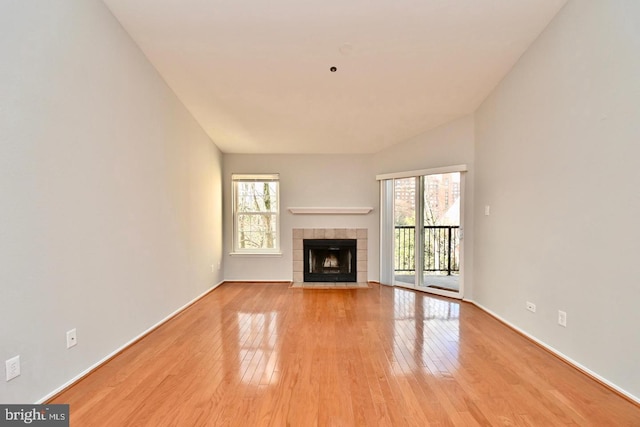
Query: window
256, 213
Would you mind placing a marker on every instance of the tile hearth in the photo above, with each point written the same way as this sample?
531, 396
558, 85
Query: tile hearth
329, 285
360, 234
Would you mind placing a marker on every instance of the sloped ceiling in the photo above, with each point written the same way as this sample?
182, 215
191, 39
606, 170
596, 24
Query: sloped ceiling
256, 75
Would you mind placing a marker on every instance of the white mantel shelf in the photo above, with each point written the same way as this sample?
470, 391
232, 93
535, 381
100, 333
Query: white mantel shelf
330, 211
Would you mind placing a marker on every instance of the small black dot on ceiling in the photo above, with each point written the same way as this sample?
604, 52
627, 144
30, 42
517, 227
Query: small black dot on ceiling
333, 69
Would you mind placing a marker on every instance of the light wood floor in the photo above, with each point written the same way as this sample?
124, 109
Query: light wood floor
250, 355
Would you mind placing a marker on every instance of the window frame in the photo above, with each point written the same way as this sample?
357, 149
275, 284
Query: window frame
237, 178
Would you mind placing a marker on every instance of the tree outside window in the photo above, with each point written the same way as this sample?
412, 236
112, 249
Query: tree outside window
256, 213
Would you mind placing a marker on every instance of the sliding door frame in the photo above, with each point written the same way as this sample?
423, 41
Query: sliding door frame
387, 208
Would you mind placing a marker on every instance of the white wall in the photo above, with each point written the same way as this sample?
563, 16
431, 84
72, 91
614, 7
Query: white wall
305, 181
557, 160
110, 193
447, 145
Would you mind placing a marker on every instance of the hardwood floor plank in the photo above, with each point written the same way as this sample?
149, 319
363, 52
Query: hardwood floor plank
269, 355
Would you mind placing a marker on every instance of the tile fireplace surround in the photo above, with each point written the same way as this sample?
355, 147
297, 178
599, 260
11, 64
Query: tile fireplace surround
299, 234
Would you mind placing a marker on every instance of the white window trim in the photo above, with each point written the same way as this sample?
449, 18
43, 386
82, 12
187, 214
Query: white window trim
235, 178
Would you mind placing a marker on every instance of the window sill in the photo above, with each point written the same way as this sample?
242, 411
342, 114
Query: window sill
256, 254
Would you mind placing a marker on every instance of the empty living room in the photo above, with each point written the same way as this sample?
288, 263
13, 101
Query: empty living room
285, 213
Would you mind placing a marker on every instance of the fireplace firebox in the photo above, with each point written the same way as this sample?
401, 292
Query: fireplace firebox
330, 260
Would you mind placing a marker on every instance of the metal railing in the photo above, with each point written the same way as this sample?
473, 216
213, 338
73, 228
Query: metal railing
441, 248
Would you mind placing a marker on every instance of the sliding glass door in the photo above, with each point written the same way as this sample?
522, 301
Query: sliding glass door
404, 214
441, 232
427, 233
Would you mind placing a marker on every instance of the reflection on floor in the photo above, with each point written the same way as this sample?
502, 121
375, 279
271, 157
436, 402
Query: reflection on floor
428, 329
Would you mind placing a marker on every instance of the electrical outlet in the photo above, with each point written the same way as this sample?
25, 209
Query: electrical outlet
531, 307
213, 268
562, 318
71, 338
12, 367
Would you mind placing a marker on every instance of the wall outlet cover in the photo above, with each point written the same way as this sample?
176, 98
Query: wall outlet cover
13, 367
72, 339
562, 318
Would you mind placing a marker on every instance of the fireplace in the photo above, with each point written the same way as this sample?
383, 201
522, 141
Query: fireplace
301, 234
330, 260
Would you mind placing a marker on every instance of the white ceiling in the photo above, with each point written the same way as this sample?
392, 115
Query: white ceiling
255, 74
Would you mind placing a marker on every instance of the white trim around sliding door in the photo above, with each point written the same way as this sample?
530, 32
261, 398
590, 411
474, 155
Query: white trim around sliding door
421, 172
387, 199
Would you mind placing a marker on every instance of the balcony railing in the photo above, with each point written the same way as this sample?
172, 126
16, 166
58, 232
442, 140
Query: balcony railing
441, 248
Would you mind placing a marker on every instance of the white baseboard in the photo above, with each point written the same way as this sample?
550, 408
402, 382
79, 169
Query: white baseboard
562, 356
124, 346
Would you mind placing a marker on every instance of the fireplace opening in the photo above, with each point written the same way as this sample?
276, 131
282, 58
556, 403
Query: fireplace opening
330, 260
